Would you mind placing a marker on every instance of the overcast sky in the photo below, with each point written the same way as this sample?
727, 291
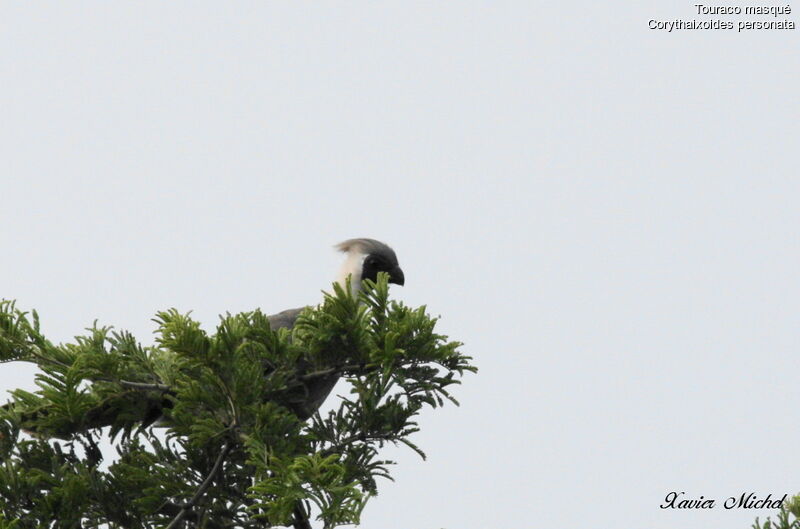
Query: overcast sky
606, 215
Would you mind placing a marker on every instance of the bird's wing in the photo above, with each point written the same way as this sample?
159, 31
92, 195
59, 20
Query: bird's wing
285, 319
318, 389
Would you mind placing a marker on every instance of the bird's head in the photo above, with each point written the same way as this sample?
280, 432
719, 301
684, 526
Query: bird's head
365, 258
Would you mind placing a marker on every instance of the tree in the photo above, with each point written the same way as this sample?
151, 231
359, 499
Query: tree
237, 453
788, 517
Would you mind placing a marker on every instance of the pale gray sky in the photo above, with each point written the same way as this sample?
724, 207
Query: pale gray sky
606, 215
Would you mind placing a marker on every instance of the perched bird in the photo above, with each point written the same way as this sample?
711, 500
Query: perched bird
364, 259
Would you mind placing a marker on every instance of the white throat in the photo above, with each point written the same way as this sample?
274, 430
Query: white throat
352, 266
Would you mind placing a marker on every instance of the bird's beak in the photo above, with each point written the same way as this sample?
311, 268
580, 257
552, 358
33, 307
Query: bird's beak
396, 276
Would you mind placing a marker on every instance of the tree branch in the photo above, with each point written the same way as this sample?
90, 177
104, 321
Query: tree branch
340, 370
137, 385
203, 486
125, 383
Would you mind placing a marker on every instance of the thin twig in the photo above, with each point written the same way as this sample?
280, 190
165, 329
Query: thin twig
203, 487
344, 443
126, 383
353, 368
137, 385
43, 358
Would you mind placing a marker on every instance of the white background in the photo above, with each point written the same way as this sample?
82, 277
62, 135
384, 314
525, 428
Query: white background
606, 215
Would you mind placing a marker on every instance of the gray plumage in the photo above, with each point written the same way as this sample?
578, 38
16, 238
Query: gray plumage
317, 390
368, 247
284, 319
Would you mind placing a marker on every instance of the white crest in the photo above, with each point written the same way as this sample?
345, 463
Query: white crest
352, 266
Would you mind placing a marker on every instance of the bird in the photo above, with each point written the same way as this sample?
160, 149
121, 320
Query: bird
364, 259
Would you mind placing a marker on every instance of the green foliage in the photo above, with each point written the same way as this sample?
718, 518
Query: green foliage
244, 445
788, 517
